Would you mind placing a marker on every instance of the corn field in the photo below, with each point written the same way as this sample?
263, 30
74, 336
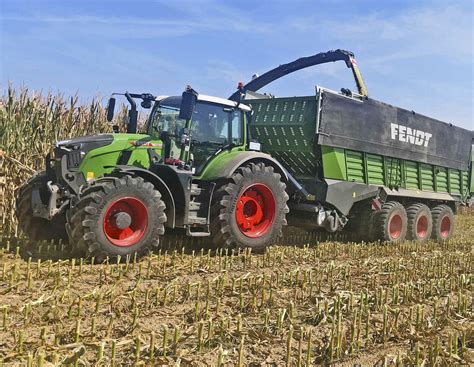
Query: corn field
319, 303
408, 304
30, 124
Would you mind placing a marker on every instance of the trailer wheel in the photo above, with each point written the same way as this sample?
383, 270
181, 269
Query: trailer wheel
361, 223
420, 222
38, 229
116, 216
250, 210
392, 222
443, 223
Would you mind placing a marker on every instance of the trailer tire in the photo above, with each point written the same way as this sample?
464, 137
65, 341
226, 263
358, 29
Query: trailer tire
420, 222
35, 228
361, 225
116, 216
392, 222
443, 223
250, 209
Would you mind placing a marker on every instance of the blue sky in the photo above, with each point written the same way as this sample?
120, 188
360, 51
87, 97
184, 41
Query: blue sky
414, 54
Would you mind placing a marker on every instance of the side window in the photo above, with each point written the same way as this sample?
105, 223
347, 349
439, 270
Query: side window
237, 127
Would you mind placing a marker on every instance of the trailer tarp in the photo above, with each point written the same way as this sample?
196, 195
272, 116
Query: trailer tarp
375, 127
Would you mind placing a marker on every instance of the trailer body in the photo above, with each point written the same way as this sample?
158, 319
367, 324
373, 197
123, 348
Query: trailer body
363, 148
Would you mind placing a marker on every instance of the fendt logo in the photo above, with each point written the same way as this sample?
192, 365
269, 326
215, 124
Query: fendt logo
409, 135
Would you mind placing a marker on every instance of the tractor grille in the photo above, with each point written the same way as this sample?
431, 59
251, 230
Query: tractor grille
74, 159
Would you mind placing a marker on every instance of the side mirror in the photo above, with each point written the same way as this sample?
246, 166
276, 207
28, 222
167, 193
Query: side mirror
110, 109
146, 103
188, 102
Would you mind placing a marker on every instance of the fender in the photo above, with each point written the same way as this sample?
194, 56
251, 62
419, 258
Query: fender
160, 185
255, 157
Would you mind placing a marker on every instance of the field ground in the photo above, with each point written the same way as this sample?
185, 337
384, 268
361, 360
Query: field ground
328, 303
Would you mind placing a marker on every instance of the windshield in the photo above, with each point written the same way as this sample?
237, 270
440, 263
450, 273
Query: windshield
165, 118
216, 124
211, 123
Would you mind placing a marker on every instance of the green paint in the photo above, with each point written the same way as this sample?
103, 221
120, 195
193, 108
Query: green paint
411, 175
102, 160
355, 166
334, 163
214, 168
375, 172
373, 169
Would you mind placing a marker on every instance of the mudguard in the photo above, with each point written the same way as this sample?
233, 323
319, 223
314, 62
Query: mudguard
255, 157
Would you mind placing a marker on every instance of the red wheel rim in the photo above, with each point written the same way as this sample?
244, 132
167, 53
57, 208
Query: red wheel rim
255, 211
395, 226
422, 227
125, 221
445, 227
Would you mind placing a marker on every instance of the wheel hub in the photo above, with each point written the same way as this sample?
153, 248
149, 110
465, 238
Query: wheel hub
445, 227
125, 221
122, 220
395, 226
422, 227
255, 210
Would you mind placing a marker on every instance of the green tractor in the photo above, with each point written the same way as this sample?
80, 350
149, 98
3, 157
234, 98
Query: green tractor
231, 170
117, 194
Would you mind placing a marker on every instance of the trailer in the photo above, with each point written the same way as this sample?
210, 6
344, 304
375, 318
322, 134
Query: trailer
238, 170
386, 172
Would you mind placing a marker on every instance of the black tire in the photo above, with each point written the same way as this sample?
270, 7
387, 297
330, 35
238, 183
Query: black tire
361, 225
443, 223
89, 220
35, 228
249, 181
420, 222
392, 222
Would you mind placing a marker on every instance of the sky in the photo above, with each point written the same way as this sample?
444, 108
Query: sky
414, 54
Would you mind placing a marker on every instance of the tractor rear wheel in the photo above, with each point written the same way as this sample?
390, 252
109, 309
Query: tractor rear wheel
420, 222
443, 223
250, 210
36, 228
116, 216
392, 222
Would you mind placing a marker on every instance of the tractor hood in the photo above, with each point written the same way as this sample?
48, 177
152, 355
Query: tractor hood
86, 143
75, 149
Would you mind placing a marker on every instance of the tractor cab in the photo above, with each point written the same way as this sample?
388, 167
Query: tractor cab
192, 128
214, 125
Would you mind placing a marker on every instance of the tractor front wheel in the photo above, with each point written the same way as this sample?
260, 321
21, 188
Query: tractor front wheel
116, 216
250, 210
35, 228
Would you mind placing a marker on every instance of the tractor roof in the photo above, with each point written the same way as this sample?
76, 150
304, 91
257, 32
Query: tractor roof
210, 99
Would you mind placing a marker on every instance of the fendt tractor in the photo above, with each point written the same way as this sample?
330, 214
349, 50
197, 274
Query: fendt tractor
236, 170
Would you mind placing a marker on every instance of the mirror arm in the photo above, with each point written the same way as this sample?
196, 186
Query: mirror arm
133, 114
131, 101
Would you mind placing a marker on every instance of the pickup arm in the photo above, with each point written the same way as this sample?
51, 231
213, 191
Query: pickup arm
302, 63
